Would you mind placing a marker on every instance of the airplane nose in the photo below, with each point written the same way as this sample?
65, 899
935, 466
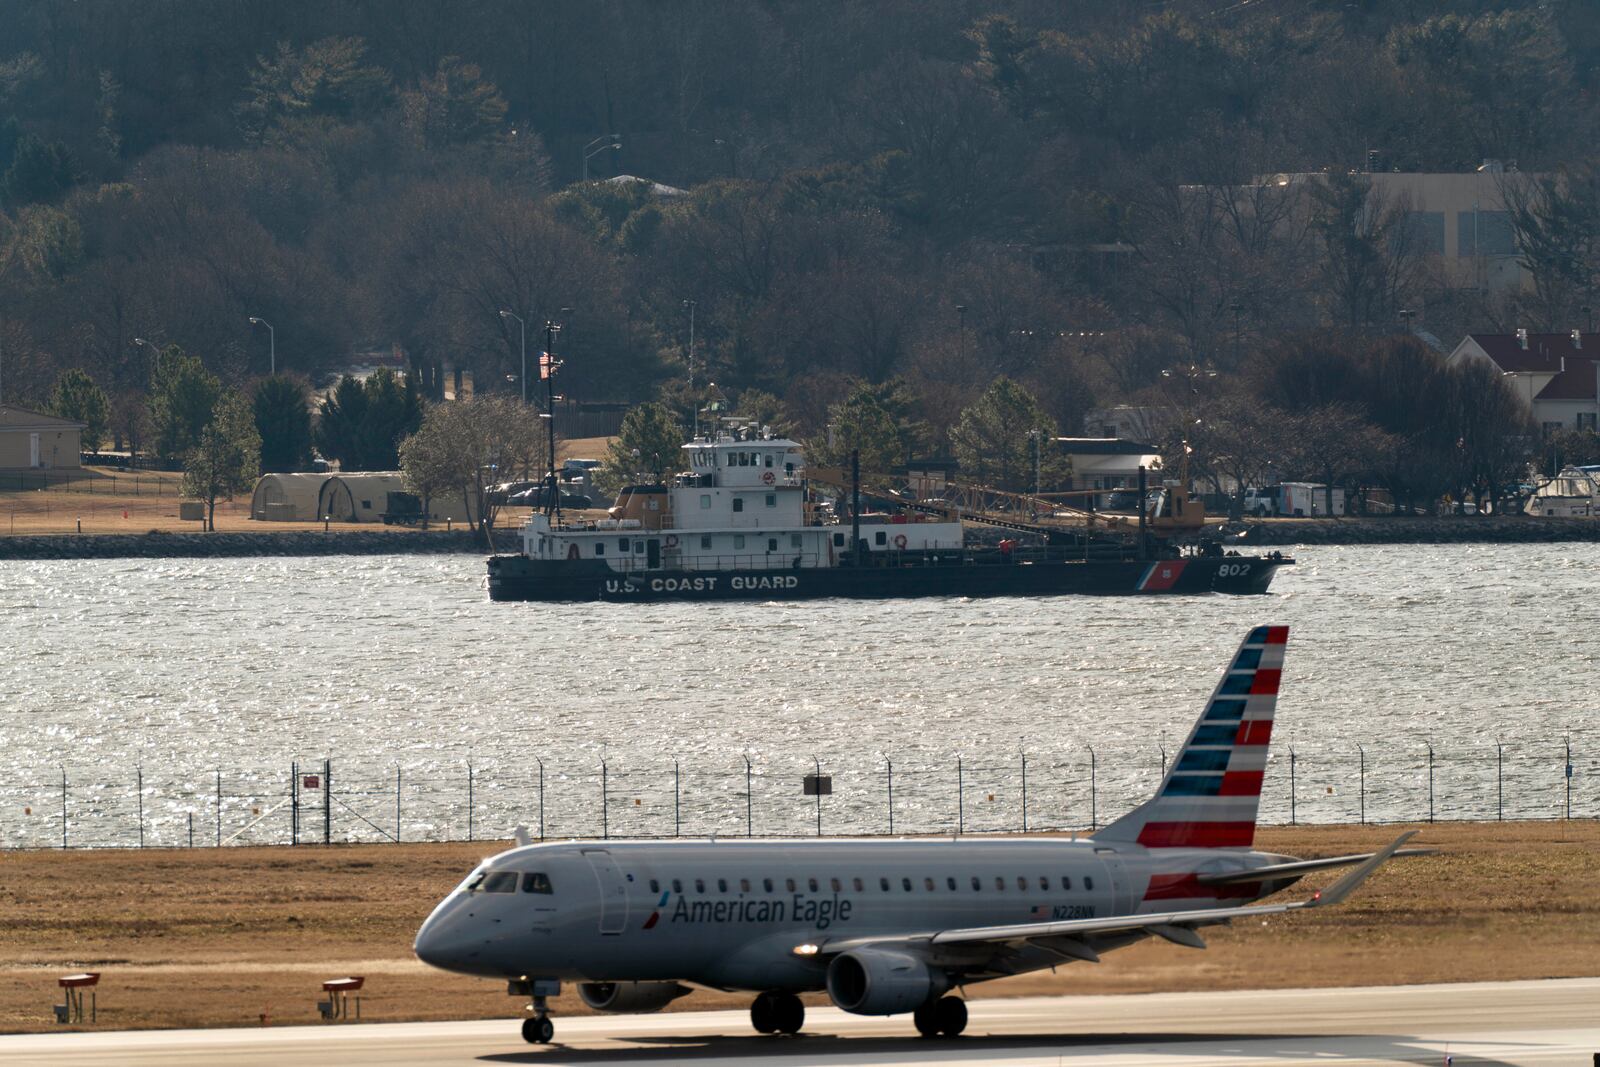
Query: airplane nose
441, 941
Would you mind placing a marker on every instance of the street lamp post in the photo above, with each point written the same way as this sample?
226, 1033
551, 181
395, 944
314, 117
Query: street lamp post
596, 146
524, 329
272, 341
155, 357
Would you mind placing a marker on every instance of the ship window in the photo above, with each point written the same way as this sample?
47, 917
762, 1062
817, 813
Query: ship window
536, 882
677, 885
812, 882
794, 540
881, 538
622, 544
744, 885
738, 540
500, 882
769, 459
705, 542
838, 540
1088, 883
738, 503
744, 459
950, 883
905, 883
834, 882
883, 884
772, 500
638, 546
766, 883
599, 548
1066, 882
857, 883
705, 501
772, 544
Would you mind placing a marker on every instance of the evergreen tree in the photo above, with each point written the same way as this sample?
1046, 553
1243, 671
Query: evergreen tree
393, 412
992, 441
39, 172
338, 435
284, 423
877, 419
78, 398
183, 398
648, 445
226, 459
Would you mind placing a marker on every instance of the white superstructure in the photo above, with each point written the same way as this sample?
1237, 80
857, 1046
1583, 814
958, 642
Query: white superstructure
741, 504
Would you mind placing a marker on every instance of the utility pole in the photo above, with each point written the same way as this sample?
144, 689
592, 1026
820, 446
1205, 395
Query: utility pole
547, 370
690, 304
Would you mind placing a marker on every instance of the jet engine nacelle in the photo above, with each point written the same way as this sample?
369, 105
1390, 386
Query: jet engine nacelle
882, 981
630, 997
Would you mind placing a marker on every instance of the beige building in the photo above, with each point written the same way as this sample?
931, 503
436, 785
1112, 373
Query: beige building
1557, 375
30, 440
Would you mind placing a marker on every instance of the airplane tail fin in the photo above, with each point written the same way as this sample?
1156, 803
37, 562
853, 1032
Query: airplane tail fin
1212, 789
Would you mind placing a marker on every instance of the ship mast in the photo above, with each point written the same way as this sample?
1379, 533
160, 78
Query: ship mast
547, 370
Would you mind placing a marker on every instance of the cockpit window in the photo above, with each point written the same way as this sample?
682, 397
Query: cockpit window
536, 882
500, 882
474, 880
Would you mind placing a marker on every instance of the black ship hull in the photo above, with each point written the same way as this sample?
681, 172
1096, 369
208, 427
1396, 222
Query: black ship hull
521, 578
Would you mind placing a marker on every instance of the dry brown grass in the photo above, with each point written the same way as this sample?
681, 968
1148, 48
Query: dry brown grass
219, 937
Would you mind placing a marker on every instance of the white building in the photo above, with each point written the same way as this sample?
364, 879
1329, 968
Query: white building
1557, 375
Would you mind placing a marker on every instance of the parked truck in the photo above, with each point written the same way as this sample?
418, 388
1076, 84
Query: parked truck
1292, 499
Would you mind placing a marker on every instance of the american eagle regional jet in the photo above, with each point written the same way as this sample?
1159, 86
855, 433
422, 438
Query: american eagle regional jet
889, 926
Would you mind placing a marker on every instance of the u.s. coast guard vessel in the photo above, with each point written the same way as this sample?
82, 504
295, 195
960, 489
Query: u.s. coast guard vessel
739, 523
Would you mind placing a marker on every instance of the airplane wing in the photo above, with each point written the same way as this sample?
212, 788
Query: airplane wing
1175, 926
1298, 868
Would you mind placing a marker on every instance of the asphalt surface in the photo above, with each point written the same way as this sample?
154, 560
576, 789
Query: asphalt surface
1554, 1022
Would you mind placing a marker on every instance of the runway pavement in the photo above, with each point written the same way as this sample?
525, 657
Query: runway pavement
1544, 1023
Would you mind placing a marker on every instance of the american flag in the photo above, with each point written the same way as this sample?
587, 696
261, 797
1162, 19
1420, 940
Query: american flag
1040, 911
547, 365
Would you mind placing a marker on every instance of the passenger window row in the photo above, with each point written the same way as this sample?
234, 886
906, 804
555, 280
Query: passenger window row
884, 884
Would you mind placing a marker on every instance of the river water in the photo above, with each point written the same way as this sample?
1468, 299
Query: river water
164, 683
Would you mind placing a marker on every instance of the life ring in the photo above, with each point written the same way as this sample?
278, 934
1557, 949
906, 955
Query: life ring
900, 540
672, 541
769, 477
572, 551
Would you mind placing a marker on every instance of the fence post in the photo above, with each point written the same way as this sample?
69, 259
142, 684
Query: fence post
1363, 752
818, 764
469, 800
397, 803
1500, 781
63, 808
889, 764
961, 799
1024, 792
749, 806
677, 817
1163, 746
1430, 781
138, 777
219, 807
1567, 742
1094, 807
191, 829
294, 802
327, 802
605, 814
1293, 761
540, 762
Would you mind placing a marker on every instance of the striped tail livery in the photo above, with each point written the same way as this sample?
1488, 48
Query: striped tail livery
1212, 790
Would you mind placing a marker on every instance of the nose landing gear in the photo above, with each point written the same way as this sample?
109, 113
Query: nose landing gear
947, 1016
538, 1030
777, 1013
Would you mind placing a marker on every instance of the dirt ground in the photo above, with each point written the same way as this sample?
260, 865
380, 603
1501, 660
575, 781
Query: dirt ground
223, 937
106, 500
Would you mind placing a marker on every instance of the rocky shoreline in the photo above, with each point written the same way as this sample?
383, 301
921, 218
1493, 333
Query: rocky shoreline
302, 543
1460, 529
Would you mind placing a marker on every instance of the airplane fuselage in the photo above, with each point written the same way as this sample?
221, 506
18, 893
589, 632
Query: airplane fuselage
730, 914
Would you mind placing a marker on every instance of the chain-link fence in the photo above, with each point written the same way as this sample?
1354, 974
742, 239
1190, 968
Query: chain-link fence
350, 799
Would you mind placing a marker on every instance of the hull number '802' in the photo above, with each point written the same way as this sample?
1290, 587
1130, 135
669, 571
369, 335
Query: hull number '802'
1233, 570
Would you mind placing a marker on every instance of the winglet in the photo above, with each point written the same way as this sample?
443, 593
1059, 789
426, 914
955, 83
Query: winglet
1336, 893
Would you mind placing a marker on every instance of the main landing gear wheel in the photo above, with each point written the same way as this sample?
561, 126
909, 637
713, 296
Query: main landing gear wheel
539, 1030
788, 1014
947, 1016
763, 1014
